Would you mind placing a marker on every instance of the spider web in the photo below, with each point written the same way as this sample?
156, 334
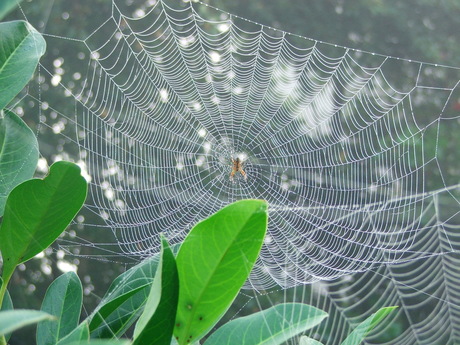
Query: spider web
345, 145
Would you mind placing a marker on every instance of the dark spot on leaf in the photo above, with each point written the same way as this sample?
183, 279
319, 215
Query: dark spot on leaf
178, 324
200, 318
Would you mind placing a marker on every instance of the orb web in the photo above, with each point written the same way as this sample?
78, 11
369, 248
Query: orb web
333, 139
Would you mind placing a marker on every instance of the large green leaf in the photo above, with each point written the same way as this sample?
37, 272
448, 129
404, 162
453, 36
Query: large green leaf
21, 46
79, 334
124, 300
12, 320
156, 324
6, 6
37, 211
213, 262
359, 333
63, 299
18, 154
269, 327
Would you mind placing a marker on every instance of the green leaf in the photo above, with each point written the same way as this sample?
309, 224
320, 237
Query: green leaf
12, 320
271, 326
304, 340
156, 324
81, 333
21, 46
63, 299
213, 262
359, 333
37, 211
18, 154
6, 6
124, 300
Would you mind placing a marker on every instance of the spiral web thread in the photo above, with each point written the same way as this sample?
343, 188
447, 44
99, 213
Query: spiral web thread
343, 144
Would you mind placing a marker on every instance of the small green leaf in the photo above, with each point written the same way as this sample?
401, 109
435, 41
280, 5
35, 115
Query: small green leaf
81, 333
359, 333
12, 320
213, 263
156, 323
6, 6
304, 340
37, 211
269, 327
21, 46
63, 299
18, 154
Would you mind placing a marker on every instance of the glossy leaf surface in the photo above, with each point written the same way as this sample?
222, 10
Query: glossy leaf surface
213, 263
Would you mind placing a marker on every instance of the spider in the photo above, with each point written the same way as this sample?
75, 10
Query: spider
237, 167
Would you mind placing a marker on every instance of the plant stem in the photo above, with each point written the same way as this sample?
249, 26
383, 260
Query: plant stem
3, 291
2, 296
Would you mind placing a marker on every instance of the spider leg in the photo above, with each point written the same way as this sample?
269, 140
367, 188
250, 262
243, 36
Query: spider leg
243, 173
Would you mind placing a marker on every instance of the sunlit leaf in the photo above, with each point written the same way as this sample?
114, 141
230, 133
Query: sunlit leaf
37, 211
18, 154
213, 262
269, 327
21, 46
63, 299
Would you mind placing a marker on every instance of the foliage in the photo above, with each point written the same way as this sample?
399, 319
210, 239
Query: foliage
231, 240
21, 47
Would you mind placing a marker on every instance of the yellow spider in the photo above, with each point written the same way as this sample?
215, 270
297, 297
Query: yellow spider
237, 167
